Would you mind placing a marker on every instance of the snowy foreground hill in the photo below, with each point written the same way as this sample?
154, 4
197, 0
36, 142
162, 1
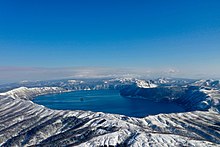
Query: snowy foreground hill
24, 123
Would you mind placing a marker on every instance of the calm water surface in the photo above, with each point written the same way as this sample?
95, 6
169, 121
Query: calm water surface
108, 101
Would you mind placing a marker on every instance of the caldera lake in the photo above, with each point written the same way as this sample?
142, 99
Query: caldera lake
108, 101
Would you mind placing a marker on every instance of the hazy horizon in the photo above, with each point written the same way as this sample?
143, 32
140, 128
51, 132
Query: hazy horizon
19, 74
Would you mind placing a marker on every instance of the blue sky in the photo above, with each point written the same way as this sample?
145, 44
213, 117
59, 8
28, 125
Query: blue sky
143, 34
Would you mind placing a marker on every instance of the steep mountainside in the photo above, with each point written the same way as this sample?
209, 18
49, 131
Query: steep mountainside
24, 123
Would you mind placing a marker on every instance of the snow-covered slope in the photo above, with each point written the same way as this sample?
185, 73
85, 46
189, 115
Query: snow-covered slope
29, 93
208, 83
23, 123
145, 84
213, 98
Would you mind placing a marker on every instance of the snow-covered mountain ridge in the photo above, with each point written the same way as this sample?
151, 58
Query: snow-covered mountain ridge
29, 93
23, 123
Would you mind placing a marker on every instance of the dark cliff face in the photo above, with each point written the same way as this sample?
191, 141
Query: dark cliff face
157, 94
190, 98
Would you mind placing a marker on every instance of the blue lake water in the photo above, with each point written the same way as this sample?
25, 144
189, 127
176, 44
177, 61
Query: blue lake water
108, 101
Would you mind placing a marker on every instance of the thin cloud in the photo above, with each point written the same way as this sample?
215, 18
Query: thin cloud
16, 74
